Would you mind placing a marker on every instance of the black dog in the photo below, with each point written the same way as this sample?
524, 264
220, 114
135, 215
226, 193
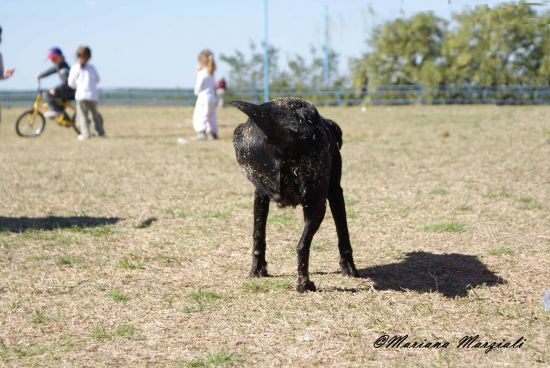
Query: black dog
292, 156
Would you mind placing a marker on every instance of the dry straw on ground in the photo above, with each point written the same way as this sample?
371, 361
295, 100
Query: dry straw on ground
133, 250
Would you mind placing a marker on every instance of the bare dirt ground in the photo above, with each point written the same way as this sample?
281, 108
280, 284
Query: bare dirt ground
133, 250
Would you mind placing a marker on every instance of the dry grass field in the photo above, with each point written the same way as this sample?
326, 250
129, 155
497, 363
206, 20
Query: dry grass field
133, 250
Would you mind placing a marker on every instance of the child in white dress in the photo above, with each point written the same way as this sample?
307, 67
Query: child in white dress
204, 117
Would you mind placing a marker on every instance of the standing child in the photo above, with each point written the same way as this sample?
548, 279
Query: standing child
204, 116
84, 78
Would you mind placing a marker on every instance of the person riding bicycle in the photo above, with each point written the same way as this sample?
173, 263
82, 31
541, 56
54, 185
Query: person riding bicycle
62, 92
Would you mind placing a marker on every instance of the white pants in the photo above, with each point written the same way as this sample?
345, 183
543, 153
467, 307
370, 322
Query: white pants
204, 116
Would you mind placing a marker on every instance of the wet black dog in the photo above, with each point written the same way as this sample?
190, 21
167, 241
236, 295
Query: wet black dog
292, 156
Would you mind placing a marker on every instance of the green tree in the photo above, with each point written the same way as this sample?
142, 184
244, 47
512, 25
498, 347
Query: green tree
542, 75
404, 51
248, 71
504, 45
302, 73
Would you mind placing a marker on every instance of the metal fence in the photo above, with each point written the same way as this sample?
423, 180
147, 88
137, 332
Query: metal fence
338, 96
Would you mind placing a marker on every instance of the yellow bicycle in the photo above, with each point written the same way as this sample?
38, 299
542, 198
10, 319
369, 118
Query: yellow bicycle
32, 122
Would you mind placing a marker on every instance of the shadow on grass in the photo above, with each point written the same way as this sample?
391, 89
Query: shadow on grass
146, 223
451, 275
21, 224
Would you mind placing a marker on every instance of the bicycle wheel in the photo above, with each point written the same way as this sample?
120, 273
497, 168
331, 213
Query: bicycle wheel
30, 124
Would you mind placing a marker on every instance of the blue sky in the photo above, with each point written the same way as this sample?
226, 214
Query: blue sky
143, 43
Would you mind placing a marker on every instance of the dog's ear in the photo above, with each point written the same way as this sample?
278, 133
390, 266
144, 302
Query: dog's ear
261, 117
253, 111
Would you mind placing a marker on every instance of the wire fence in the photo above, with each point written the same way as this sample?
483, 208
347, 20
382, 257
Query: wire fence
337, 96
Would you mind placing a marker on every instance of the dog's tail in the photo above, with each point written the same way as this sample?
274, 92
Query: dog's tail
335, 131
273, 131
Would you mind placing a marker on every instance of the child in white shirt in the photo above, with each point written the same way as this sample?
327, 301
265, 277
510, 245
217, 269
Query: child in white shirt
204, 116
84, 78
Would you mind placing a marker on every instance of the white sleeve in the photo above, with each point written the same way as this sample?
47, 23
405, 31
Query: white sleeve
96, 75
71, 81
198, 84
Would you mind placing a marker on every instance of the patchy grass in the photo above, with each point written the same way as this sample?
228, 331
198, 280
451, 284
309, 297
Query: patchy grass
100, 333
439, 191
66, 261
142, 254
39, 318
351, 201
281, 218
464, 208
499, 193
6, 245
218, 215
117, 296
499, 251
265, 285
212, 359
444, 227
351, 213
529, 203
125, 331
202, 300
127, 264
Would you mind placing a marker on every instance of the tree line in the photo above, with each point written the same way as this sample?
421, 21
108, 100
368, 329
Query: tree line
505, 45
247, 71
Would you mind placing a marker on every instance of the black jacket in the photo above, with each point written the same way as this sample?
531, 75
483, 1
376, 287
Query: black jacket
62, 90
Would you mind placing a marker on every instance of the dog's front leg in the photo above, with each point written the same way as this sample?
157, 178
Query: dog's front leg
261, 209
314, 212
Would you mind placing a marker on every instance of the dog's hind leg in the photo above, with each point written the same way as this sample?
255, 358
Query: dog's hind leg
261, 209
338, 209
314, 212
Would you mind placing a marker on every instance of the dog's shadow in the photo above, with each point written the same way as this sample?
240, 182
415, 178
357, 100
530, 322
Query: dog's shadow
22, 224
451, 275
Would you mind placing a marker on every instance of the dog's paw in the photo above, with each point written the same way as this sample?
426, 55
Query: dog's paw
302, 287
258, 272
347, 268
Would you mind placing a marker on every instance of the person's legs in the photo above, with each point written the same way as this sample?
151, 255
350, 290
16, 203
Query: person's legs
82, 119
55, 101
98, 120
55, 108
199, 115
212, 121
200, 119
